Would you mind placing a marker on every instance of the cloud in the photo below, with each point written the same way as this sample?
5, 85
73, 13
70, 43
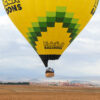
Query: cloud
18, 60
15, 50
2, 11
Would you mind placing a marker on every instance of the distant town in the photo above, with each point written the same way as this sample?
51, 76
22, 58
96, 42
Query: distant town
65, 83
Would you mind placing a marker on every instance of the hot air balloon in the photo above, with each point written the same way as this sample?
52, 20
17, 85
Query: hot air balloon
50, 26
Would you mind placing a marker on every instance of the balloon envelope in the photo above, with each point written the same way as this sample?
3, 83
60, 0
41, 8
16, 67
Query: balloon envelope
50, 26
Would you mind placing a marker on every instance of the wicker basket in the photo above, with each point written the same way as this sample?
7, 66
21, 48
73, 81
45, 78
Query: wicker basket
49, 74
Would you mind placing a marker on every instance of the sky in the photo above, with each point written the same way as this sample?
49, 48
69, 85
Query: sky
18, 60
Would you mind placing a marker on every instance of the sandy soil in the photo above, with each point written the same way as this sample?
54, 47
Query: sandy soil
48, 93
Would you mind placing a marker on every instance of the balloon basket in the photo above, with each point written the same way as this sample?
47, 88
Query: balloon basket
49, 75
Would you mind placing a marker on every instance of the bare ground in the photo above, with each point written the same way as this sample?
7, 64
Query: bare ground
48, 93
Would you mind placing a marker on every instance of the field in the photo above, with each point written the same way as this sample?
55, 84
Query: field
12, 92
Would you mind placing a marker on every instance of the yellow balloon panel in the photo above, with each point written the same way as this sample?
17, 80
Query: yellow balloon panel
50, 25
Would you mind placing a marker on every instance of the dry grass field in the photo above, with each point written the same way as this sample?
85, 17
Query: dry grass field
12, 92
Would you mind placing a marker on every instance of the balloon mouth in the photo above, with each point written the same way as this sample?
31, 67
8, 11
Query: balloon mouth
46, 58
